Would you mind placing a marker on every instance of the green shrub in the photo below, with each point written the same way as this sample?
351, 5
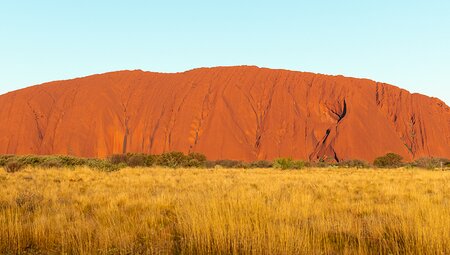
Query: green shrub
52, 162
283, 163
390, 160
355, 163
195, 159
102, 165
137, 160
15, 163
288, 163
57, 161
210, 164
4, 159
243, 165
118, 159
13, 166
69, 161
431, 163
31, 160
171, 159
260, 164
151, 160
300, 164
132, 160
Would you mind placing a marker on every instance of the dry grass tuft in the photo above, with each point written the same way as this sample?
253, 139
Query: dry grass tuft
165, 211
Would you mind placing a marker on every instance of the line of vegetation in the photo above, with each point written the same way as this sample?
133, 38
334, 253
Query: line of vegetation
14, 163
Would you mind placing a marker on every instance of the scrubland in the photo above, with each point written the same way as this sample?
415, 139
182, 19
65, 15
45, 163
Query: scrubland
224, 211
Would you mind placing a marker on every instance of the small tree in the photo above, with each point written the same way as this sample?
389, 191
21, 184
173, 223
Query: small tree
195, 159
172, 159
283, 163
288, 163
151, 160
390, 160
137, 160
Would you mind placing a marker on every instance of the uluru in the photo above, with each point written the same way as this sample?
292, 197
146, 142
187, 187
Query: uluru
242, 112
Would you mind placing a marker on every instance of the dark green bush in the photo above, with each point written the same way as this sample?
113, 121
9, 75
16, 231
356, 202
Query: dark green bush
133, 159
283, 163
288, 163
390, 160
171, 159
210, 163
118, 159
243, 165
114, 162
431, 163
195, 159
260, 164
151, 160
103, 165
4, 159
355, 163
177, 159
137, 160
13, 165
69, 161
31, 160
52, 162
300, 164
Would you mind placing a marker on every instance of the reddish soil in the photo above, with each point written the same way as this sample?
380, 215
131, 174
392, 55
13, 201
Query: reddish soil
245, 113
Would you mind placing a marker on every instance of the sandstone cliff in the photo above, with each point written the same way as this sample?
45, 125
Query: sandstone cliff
245, 113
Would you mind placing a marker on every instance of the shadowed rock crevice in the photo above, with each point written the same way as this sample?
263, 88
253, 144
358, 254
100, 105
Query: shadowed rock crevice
327, 134
203, 116
40, 131
320, 146
344, 112
336, 158
125, 119
378, 94
261, 118
156, 126
411, 142
338, 112
324, 149
125, 136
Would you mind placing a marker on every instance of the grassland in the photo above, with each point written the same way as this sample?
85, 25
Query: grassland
224, 211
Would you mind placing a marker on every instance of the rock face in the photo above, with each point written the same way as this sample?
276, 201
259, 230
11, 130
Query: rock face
245, 113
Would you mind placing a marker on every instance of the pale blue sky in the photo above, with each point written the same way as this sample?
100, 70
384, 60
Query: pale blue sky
405, 43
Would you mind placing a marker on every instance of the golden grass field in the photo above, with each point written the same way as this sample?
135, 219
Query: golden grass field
224, 211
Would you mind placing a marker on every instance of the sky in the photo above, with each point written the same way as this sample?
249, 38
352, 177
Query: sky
402, 42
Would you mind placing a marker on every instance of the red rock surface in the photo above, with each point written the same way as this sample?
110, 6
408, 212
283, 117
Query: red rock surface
245, 113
